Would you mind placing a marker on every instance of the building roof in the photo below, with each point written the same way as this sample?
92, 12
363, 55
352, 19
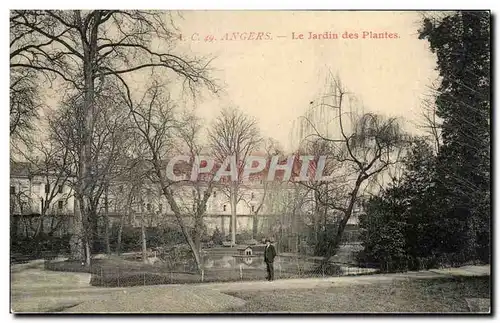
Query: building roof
20, 169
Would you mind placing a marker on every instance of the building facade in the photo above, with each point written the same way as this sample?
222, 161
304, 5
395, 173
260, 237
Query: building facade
44, 202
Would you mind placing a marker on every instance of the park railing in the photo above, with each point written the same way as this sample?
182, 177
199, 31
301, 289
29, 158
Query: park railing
119, 272
132, 270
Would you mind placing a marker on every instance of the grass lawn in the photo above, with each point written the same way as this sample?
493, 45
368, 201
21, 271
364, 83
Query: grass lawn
408, 296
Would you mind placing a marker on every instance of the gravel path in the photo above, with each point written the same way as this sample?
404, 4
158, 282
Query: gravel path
35, 290
160, 299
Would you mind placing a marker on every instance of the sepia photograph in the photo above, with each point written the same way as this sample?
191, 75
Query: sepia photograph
250, 161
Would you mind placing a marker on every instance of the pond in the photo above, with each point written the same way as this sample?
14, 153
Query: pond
249, 262
229, 259
291, 263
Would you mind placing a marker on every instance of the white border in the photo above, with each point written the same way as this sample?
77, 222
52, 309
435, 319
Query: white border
191, 4
255, 4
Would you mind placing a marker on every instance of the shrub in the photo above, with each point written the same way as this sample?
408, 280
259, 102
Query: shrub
155, 237
243, 236
39, 247
217, 237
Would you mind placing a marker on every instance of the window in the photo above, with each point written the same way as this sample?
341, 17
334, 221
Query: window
60, 205
215, 194
12, 190
60, 190
47, 188
224, 207
253, 208
148, 206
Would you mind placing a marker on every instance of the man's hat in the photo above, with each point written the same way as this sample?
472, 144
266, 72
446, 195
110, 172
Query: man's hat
268, 240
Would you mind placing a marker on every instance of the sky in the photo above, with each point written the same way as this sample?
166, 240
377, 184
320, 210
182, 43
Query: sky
274, 78
271, 74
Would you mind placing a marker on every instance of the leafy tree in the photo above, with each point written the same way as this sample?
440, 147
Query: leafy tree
217, 237
403, 222
383, 228
461, 42
364, 146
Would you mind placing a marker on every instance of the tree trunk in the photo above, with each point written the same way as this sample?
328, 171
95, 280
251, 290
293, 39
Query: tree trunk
94, 231
143, 235
86, 172
76, 228
119, 238
87, 238
106, 222
197, 240
41, 229
178, 216
14, 226
332, 245
106, 234
199, 232
255, 225
223, 227
144, 243
294, 230
234, 197
87, 253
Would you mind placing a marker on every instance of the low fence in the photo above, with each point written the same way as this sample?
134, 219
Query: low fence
220, 266
118, 272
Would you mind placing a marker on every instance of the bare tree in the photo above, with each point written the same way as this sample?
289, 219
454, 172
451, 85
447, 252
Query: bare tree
364, 146
202, 185
122, 191
318, 213
109, 142
233, 134
158, 133
139, 190
50, 164
54, 166
83, 48
258, 203
24, 104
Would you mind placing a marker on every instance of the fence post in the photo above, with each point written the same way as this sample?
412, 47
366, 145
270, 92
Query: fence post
241, 271
202, 275
118, 277
171, 277
102, 277
144, 278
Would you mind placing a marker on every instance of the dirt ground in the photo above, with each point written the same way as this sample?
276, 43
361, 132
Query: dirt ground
36, 290
436, 295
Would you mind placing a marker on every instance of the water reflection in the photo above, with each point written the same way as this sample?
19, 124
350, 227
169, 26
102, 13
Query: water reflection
251, 262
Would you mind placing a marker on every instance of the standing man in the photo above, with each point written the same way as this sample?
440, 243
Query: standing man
269, 254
